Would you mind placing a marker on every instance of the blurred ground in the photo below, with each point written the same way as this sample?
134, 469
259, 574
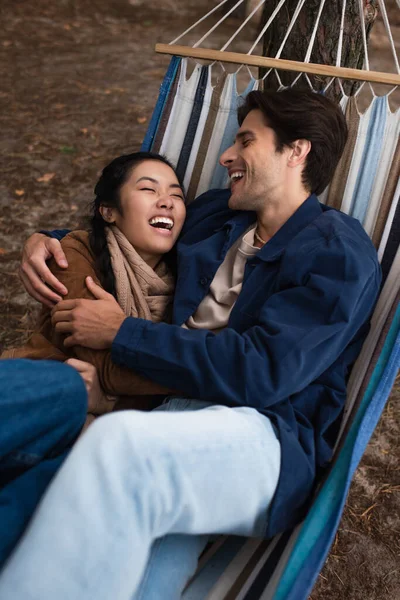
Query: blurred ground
78, 83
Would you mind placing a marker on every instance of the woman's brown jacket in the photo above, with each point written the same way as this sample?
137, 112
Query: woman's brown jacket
45, 343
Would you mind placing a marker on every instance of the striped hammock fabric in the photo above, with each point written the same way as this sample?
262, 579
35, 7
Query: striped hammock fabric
192, 124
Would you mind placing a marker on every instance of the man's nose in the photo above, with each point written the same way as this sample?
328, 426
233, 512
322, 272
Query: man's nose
227, 157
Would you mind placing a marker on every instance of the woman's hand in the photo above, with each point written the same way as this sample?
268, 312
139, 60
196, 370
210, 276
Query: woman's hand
34, 272
98, 402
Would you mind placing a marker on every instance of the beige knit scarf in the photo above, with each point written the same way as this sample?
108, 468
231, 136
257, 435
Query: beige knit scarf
141, 291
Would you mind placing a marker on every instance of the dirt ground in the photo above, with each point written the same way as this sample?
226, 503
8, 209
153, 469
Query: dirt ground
79, 80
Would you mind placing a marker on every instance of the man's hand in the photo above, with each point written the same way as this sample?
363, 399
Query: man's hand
98, 402
91, 323
34, 272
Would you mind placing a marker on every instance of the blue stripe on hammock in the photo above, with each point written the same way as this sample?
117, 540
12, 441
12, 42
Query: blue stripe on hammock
370, 159
193, 123
162, 98
219, 177
318, 531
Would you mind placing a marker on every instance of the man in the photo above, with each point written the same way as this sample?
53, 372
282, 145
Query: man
272, 303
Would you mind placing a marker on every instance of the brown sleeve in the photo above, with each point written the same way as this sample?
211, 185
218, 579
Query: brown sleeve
114, 380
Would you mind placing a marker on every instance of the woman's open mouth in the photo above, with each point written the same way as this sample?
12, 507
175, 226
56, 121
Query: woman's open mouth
162, 225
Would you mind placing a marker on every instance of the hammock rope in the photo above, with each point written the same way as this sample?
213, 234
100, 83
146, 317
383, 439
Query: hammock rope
336, 71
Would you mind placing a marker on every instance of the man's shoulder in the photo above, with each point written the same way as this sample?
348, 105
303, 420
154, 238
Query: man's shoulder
337, 241
334, 228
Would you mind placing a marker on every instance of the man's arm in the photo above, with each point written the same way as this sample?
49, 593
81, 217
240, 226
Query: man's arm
114, 380
35, 275
300, 332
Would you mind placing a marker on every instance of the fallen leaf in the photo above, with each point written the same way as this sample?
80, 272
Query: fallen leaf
7, 43
84, 130
46, 177
141, 119
67, 149
3, 251
19, 192
67, 27
30, 147
58, 106
107, 92
74, 207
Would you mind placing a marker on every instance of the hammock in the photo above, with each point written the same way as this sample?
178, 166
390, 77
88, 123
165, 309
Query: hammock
194, 121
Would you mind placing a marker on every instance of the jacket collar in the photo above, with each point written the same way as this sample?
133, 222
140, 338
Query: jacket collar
304, 215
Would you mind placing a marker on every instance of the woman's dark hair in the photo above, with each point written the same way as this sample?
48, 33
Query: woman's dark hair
107, 192
295, 115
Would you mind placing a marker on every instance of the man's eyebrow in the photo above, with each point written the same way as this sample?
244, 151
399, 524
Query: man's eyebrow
241, 134
172, 185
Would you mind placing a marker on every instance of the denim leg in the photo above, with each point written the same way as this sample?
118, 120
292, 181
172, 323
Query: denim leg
173, 558
172, 562
136, 477
42, 410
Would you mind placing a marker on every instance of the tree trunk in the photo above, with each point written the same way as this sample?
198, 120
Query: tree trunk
326, 41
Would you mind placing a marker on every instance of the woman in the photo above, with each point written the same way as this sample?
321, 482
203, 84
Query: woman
137, 216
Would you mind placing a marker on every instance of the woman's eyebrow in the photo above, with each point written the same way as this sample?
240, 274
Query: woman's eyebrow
148, 179
173, 185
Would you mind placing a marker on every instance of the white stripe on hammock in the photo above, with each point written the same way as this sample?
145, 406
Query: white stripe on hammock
173, 140
391, 136
355, 165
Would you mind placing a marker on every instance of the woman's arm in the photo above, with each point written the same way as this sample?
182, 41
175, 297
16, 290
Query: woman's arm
114, 380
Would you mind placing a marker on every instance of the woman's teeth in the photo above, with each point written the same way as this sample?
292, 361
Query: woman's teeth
162, 222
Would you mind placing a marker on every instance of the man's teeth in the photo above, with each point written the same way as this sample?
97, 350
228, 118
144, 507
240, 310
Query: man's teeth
164, 222
236, 176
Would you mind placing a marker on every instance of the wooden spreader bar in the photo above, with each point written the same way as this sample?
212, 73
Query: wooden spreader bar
279, 63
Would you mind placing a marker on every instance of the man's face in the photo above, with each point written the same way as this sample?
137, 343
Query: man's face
257, 171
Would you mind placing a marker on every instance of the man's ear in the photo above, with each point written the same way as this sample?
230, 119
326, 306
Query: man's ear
107, 213
299, 151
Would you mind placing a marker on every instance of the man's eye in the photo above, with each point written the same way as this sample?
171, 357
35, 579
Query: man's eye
245, 143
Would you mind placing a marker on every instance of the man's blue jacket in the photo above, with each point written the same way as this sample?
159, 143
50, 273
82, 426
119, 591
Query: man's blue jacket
293, 334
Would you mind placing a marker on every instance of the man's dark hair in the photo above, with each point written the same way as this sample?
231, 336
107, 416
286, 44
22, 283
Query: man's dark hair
295, 115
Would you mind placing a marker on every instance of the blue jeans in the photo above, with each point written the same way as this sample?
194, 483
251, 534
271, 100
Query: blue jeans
128, 512
42, 410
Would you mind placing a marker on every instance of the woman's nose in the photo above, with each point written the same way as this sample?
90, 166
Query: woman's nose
165, 201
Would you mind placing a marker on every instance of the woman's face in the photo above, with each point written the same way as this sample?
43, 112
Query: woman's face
152, 210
